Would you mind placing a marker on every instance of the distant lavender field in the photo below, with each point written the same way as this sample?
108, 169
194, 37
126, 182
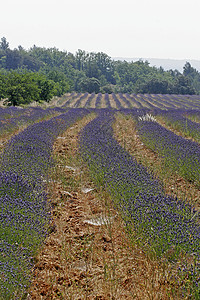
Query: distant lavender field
118, 101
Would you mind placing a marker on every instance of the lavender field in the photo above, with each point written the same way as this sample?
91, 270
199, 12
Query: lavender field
119, 101
162, 224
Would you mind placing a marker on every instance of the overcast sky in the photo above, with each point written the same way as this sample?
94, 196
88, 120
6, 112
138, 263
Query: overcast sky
128, 28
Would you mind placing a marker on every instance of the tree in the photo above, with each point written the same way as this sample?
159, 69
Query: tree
3, 93
154, 86
81, 57
62, 83
14, 59
4, 45
90, 85
47, 89
193, 75
109, 89
183, 86
21, 88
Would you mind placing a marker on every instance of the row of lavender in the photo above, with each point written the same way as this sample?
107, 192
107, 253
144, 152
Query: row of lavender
24, 208
11, 118
162, 222
179, 154
120, 100
185, 121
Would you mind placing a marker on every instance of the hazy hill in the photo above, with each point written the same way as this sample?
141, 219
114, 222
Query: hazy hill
167, 64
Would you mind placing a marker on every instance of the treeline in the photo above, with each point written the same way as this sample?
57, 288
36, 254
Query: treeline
41, 73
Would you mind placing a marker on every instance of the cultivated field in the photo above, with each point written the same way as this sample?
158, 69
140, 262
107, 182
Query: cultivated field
100, 198
119, 101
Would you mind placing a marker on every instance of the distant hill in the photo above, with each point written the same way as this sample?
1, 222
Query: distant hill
167, 64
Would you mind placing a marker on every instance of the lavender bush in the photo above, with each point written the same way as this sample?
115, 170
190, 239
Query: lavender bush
139, 194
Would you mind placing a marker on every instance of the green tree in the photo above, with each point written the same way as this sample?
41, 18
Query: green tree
109, 89
47, 89
90, 85
81, 58
3, 86
4, 45
183, 86
61, 80
21, 88
154, 86
193, 75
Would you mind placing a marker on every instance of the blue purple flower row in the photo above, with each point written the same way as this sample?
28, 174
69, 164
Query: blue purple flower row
71, 98
89, 100
11, 119
125, 100
179, 154
179, 120
98, 100
84, 96
108, 105
117, 102
24, 209
9, 112
172, 101
193, 114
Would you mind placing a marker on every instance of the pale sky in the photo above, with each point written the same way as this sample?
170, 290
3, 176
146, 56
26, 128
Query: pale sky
128, 28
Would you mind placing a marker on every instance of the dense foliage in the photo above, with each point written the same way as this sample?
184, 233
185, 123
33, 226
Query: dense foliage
58, 72
24, 87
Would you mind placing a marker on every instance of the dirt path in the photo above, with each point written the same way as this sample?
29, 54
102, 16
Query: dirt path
88, 255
